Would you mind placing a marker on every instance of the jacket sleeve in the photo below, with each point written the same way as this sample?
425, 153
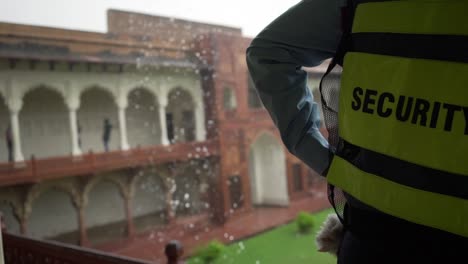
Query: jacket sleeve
304, 35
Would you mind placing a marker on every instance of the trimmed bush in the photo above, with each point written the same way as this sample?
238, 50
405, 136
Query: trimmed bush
304, 222
210, 252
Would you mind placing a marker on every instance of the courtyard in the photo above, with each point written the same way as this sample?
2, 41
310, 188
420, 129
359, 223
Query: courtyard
277, 246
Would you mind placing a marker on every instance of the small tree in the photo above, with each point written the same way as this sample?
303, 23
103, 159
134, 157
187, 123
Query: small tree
211, 252
305, 222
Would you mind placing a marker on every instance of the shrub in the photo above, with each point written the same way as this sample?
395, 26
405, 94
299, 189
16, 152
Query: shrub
210, 252
305, 222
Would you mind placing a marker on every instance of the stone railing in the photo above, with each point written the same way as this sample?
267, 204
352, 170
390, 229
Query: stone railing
24, 250
35, 170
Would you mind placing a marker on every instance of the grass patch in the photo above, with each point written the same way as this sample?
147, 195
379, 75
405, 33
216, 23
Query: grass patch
282, 245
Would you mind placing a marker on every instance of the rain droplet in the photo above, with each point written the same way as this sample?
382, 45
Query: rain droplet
241, 245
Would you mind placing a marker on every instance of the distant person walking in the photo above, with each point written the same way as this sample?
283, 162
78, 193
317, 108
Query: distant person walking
9, 142
107, 134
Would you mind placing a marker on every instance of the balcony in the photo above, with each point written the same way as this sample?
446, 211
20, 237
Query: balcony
36, 170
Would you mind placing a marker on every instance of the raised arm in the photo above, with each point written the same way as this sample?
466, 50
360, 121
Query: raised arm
305, 35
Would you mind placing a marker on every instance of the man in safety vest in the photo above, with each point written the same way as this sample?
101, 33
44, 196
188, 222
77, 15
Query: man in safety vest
399, 129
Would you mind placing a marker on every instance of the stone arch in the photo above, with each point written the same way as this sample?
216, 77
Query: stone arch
124, 190
105, 88
143, 118
44, 120
36, 190
183, 88
10, 214
5, 117
156, 170
267, 171
52, 213
161, 171
188, 198
105, 194
180, 115
59, 89
147, 89
15, 196
97, 103
148, 199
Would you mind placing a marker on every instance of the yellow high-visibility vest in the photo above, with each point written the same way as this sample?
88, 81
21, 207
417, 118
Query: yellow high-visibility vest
403, 112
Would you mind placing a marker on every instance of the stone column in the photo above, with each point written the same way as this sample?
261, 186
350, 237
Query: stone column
170, 187
76, 151
23, 224
23, 216
82, 227
200, 130
73, 106
73, 103
162, 104
129, 214
122, 104
15, 106
80, 203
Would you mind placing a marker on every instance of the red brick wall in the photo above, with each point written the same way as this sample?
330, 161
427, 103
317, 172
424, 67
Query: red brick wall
178, 31
236, 130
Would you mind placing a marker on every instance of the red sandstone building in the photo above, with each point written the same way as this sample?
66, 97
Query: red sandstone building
190, 141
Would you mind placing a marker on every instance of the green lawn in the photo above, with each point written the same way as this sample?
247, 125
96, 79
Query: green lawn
281, 245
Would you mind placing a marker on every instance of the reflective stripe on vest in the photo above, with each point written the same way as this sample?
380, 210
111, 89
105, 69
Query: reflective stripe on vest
407, 112
425, 208
413, 17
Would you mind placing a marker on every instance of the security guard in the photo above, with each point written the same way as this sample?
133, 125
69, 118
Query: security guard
398, 134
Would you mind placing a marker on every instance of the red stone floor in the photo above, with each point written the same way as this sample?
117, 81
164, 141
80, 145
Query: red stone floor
150, 245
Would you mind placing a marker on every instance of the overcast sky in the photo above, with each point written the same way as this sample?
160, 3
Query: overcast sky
90, 15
